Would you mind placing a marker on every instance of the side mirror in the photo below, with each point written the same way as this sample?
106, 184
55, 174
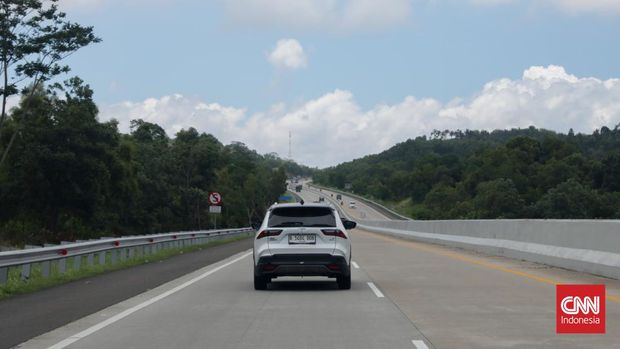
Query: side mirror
348, 225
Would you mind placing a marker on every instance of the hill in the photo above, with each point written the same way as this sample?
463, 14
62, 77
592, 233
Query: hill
518, 173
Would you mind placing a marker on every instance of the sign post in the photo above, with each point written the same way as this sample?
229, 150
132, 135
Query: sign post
215, 206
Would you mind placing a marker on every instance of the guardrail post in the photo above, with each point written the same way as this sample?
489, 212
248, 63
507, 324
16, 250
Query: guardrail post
90, 259
130, 252
114, 255
122, 254
4, 275
45, 268
77, 262
62, 265
102, 257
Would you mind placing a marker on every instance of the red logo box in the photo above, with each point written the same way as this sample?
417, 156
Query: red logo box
580, 309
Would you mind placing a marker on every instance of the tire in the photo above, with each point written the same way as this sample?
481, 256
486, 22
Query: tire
344, 282
260, 282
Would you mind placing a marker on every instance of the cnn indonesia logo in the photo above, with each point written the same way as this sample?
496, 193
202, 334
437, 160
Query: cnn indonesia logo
580, 308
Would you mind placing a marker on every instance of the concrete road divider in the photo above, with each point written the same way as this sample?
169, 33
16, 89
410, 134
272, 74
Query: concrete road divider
591, 246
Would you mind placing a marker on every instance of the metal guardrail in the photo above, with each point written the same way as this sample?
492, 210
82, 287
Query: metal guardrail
118, 248
382, 209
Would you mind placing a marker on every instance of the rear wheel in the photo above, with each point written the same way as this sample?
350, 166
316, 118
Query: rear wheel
260, 282
344, 282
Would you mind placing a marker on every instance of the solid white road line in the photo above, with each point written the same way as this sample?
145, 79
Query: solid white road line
375, 290
419, 344
68, 341
355, 265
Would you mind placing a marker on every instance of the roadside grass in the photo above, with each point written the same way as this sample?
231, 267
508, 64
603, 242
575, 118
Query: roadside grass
15, 285
404, 207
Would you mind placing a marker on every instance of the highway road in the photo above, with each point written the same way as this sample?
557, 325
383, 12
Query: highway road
361, 211
404, 294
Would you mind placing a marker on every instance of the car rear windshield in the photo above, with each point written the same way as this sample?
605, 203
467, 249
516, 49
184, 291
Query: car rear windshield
302, 217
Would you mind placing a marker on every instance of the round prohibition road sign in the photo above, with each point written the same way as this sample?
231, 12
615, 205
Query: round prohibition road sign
215, 198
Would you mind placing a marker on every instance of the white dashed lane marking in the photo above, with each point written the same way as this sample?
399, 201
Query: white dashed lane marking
419, 344
375, 290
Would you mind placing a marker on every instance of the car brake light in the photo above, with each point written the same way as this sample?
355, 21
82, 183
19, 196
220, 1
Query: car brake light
269, 267
334, 232
270, 232
333, 266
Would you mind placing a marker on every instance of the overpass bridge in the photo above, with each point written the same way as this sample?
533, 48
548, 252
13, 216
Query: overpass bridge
405, 294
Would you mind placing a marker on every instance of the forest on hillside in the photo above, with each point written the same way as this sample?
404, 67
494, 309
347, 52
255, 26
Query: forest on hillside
518, 173
69, 176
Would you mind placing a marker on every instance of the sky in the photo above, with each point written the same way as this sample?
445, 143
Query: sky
348, 78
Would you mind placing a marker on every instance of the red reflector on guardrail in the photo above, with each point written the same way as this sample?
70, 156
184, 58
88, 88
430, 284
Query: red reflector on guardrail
63, 252
174, 236
116, 243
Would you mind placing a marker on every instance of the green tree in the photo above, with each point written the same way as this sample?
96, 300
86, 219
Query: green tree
498, 198
568, 200
35, 37
441, 200
610, 171
65, 165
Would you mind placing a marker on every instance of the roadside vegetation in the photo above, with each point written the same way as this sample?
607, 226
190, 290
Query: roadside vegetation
70, 176
518, 173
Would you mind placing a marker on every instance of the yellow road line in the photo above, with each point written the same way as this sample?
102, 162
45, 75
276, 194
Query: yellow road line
461, 257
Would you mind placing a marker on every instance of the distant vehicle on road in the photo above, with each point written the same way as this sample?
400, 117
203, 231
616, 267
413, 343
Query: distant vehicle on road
302, 240
338, 197
298, 188
321, 199
352, 204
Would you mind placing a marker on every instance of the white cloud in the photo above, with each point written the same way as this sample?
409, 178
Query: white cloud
333, 128
603, 7
96, 5
288, 54
319, 15
12, 102
72, 4
594, 6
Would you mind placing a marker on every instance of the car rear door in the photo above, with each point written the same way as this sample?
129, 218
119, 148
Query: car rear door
302, 230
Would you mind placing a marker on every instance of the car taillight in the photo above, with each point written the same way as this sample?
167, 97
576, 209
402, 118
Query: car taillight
269, 267
333, 266
270, 232
334, 232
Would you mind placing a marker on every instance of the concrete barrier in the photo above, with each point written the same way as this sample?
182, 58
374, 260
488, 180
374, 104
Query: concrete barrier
591, 246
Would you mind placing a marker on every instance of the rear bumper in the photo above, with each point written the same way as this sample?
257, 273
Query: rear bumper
302, 265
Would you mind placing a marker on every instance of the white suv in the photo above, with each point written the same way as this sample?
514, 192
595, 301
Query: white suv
302, 240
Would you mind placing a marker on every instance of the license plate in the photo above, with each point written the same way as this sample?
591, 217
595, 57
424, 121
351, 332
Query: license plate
301, 239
